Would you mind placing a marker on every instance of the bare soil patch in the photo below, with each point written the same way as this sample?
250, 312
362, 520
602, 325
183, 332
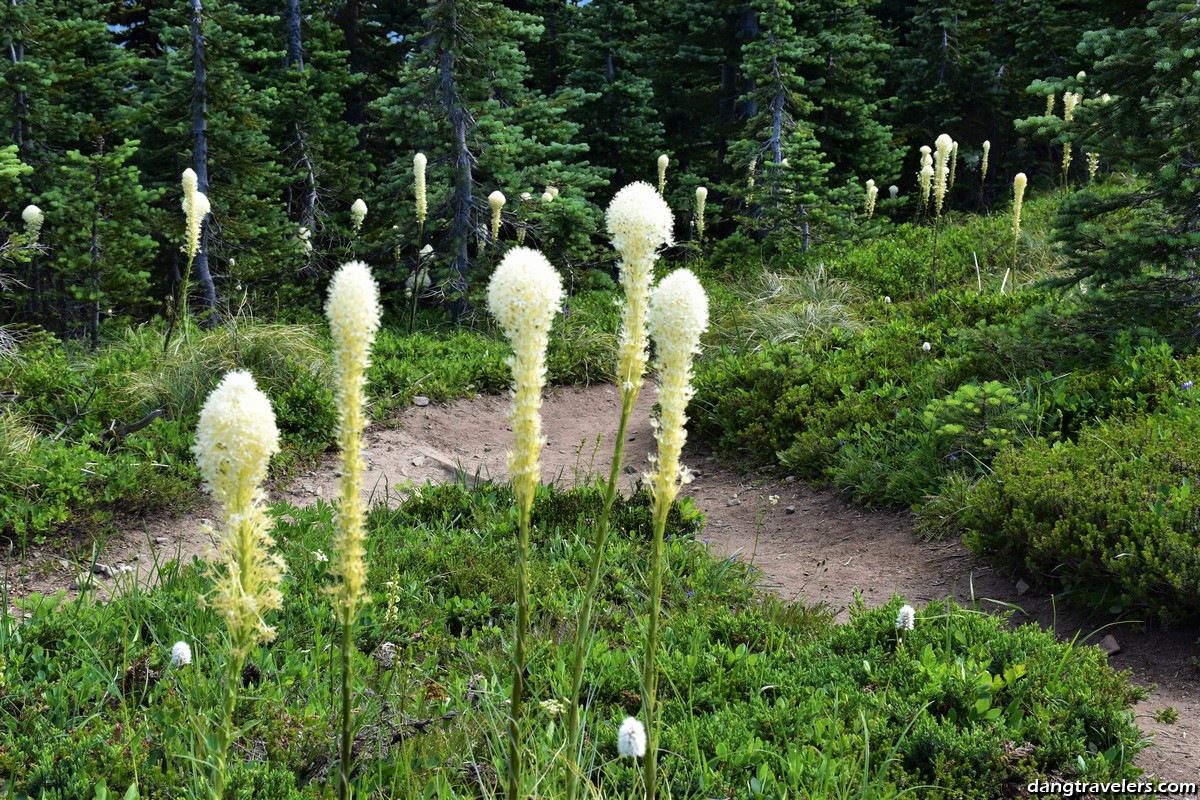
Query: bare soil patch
810, 545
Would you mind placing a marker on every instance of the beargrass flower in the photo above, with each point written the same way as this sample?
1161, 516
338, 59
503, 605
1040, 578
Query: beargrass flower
987, 148
1093, 165
524, 294
872, 193
553, 190
639, 222
419, 162
496, 200
677, 316
236, 436
701, 199
941, 171
953, 163
181, 654
1049, 104
631, 738
547, 197
1019, 183
893, 191
663, 161
33, 218
358, 213
926, 347
906, 618
352, 309
195, 208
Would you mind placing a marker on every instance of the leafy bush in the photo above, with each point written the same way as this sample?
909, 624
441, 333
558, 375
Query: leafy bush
1112, 516
759, 697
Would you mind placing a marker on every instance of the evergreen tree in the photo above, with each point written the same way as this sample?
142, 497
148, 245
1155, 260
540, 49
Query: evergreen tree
621, 120
251, 241
1142, 239
463, 99
66, 95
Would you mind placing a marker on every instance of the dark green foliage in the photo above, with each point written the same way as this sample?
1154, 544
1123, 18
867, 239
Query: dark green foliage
1111, 516
1143, 238
754, 689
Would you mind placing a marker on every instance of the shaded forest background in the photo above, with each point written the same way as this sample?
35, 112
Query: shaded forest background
782, 110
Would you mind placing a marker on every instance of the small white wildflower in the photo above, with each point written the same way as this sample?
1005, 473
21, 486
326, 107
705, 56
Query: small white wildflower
181, 655
894, 191
906, 619
554, 708
887, 299
358, 212
927, 347
631, 738
773, 499
319, 555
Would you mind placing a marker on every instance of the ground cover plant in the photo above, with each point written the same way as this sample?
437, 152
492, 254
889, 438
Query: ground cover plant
1002, 343
747, 676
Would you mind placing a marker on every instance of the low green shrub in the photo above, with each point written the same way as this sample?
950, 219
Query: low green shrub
759, 698
1111, 516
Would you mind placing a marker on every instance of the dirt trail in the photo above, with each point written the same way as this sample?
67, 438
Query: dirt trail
810, 545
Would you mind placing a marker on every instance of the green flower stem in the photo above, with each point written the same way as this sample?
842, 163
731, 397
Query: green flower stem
225, 733
345, 764
518, 686
583, 631
662, 505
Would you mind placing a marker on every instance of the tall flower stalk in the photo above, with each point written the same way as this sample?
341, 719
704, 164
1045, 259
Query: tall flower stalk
352, 309
663, 161
639, 222
678, 316
195, 208
358, 213
701, 199
496, 200
944, 148
235, 439
872, 195
1070, 101
1019, 184
419, 197
983, 168
925, 176
524, 294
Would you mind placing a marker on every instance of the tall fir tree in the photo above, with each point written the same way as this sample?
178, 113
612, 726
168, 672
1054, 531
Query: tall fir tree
1139, 242
463, 98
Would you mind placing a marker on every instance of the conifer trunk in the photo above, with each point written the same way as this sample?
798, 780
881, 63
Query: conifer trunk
295, 60
200, 148
460, 203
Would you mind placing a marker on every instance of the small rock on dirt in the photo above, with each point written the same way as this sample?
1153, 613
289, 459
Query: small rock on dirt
420, 401
1022, 586
790, 479
734, 502
419, 461
1109, 645
160, 540
790, 510
103, 570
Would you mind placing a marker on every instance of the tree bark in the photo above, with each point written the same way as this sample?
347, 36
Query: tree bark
200, 148
295, 60
460, 202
